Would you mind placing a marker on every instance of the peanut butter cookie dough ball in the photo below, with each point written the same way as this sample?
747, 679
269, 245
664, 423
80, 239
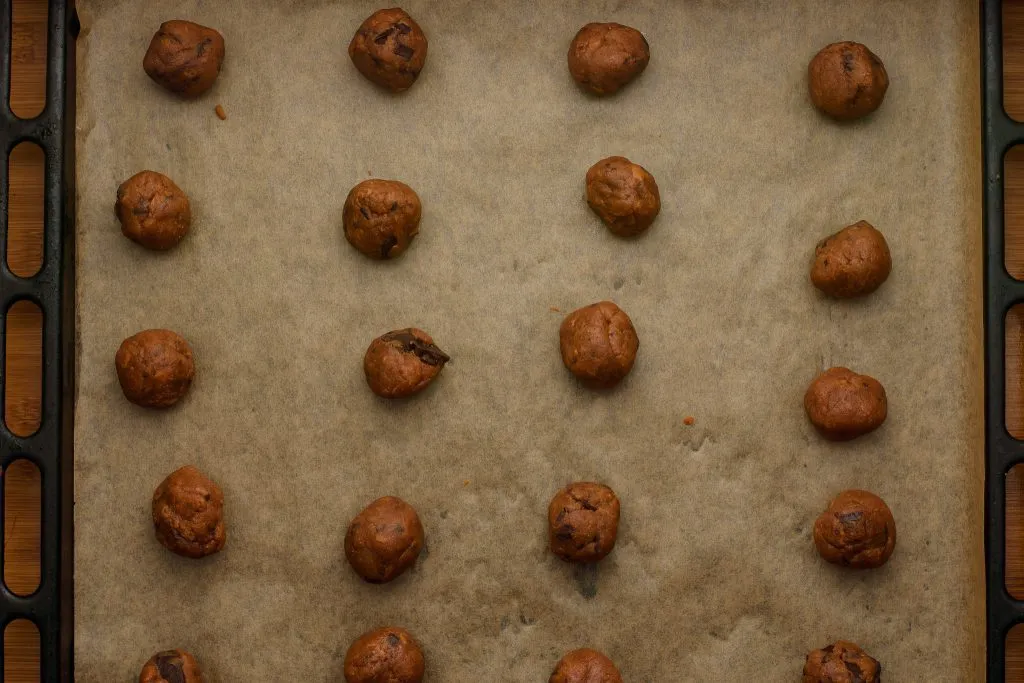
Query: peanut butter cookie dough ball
155, 368
585, 666
387, 655
853, 262
402, 363
390, 49
583, 522
841, 662
856, 530
599, 344
624, 195
847, 81
605, 57
171, 666
185, 58
843, 405
384, 539
381, 218
188, 514
153, 211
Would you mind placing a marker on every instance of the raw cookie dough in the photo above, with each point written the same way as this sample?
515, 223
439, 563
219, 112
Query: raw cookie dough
185, 58
389, 49
857, 530
846, 80
153, 211
188, 513
841, 662
387, 655
384, 539
171, 666
852, 262
155, 368
585, 666
624, 195
381, 217
598, 344
843, 405
583, 522
402, 362
605, 57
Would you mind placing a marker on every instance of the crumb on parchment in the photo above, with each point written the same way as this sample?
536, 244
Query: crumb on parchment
465, 482
221, 114
688, 420
556, 309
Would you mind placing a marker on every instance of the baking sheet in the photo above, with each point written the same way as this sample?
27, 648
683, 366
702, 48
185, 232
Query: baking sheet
714, 577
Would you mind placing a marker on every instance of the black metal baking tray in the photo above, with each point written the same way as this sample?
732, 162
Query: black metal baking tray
52, 289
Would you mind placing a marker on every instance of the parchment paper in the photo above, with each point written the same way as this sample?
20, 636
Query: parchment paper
714, 577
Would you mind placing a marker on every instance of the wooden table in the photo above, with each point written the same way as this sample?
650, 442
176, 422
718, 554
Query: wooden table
24, 369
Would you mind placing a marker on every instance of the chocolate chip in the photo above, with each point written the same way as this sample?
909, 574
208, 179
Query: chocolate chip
403, 28
858, 674
393, 640
141, 207
169, 665
851, 517
382, 37
404, 51
428, 353
387, 245
394, 206
847, 61
201, 46
366, 214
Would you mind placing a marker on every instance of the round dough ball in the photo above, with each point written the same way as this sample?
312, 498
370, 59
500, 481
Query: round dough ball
846, 80
841, 662
853, 262
185, 58
388, 655
599, 344
857, 530
402, 362
583, 522
843, 405
390, 49
381, 217
188, 513
153, 211
171, 666
624, 195
155, 368
605, 57
384, 539
585, 666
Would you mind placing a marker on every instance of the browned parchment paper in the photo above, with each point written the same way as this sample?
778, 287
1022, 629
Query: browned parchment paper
714, 577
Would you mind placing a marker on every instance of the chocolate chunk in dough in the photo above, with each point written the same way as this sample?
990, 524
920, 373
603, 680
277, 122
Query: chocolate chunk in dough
171, 666
381, 218
841, 662
843, 405
585, 666
605, 57
384, 539
599, 344
188, 514
185, 58
624, 195
583, 522
847, 81
153, 211
390, 49
155, 368
402, 362
387, 655
857, 530
853, 262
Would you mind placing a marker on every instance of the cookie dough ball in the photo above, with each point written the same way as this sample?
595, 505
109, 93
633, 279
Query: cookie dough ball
843, 405
599, 344
188, 513
387, 655
624, 195
847, 81
605, 57
153, 211
585, 666
853, 262
381, 217
155, 368
402, 362
857, 530
842, 662
185, 58
384, 539
389, 49
583, 521
171, 666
